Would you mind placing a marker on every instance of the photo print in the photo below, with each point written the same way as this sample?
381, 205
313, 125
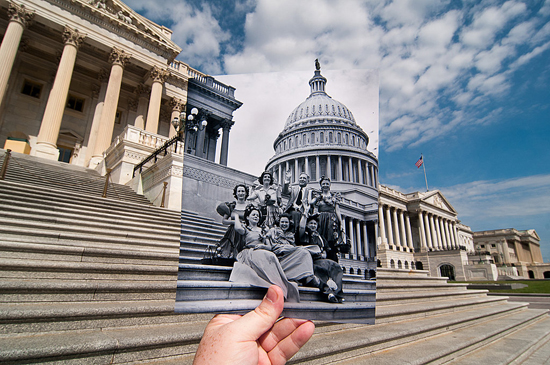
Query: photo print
280, 186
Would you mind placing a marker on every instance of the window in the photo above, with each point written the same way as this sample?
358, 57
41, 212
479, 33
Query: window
118, 117
31, 88
493, 245
75, 103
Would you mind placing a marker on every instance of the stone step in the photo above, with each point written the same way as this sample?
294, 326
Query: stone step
69, 199
19, 207
194, 272
406, 311
339, 343
35, 318
527, 345
129, 255
190, 290
426, 295
452, 344
84, 223
91, 290
42, 269
42, 233
104, 345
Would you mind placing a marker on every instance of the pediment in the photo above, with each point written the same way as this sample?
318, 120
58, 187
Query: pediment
121, 14
436, 199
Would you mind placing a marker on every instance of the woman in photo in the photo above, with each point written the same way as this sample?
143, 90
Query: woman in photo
326, 203
229, 245
328, 271
267, 197
256, 264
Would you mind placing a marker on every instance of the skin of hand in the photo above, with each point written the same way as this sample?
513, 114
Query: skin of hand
255, 338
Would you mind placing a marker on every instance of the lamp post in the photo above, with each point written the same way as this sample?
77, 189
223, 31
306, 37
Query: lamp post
194, 121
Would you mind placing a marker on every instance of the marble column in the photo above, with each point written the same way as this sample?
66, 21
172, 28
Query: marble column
428, 231
453, 235
441, 233
361, 179
360, 251
371, 175
350, 170
382, 225
390, 229
404, 242
46, 143
177, 106
447, 236
349, 220
317, 168
409, 233
118, 59
158, 75
296, 170
366, 243
142, 91
423, 242
329, 167
306, 169
340, 169
395, 223
102, 78
226, 125
20, 18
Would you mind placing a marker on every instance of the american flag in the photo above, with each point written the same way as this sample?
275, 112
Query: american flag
419, 162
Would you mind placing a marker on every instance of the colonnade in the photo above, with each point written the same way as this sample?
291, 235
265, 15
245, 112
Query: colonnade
357, 232
436, 233
337, 168
147, 102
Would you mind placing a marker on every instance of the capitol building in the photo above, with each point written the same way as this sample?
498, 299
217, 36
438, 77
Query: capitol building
94, 84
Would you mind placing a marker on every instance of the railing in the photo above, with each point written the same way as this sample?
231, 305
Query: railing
203, 78
163, 149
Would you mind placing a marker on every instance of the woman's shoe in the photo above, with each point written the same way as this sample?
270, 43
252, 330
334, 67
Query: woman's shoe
332, 298
341, 300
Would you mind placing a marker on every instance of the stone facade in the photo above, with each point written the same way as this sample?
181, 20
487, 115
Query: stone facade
422, 231
514, 248
76, 74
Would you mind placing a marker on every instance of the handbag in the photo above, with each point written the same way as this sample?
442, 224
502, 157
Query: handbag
343, 243
212, 256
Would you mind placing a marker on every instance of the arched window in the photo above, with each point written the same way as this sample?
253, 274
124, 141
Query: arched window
296, 141
353, 141
406, 264
321, 137
339, 138
329, 137
312, 138
346, 138
419, 265
448, 271
392, 264
304, 139
399, 264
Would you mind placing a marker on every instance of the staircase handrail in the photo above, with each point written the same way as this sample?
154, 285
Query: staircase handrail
163, 148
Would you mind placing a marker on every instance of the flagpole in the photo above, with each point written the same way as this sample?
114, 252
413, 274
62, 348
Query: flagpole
424, 167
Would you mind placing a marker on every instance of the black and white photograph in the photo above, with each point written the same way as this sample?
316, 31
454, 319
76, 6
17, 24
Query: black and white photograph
289, 197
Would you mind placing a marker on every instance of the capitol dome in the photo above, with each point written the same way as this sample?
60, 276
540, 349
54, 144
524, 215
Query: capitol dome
319, 106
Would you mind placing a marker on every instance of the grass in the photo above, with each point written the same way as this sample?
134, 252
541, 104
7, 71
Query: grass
533, 286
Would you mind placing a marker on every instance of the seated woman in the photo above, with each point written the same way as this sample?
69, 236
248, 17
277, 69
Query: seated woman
328, 271
257, 265
228, 247
296, 261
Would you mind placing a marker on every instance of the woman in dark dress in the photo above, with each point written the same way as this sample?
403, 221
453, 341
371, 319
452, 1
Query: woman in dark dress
328, 271
326, 203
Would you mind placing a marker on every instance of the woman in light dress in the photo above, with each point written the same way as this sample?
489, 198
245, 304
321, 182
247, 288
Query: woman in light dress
257, 265
267, 196
229, 245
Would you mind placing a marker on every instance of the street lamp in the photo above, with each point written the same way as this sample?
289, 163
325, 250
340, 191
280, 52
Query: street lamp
189, 122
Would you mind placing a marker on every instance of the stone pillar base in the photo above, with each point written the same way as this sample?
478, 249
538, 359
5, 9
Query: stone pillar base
46, 150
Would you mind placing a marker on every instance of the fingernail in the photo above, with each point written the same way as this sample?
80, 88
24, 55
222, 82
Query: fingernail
271, 295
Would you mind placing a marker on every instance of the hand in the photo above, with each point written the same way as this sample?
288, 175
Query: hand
255, 338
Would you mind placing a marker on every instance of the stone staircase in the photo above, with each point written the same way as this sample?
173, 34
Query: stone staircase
91, 280
42, 172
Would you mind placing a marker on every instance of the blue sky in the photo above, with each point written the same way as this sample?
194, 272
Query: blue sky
465, 83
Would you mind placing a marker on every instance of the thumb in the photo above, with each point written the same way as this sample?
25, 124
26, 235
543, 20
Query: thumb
256, 323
